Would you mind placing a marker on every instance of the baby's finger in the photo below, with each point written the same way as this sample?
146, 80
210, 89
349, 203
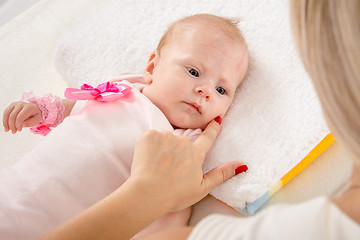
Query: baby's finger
22, 117
6, 115
208, 136
13, 116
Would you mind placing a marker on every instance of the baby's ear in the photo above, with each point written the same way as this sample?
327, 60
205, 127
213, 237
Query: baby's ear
150, 66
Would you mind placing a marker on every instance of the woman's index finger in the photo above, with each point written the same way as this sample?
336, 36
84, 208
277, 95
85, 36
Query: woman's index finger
207, 138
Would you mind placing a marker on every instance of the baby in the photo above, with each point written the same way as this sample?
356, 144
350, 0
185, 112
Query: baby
189, 80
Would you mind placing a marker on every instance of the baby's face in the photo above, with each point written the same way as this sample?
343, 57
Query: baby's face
195, 77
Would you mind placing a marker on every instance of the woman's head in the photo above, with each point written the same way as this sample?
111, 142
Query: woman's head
327, 33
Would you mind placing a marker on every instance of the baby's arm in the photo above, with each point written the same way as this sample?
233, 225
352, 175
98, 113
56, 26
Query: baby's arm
69, 105
22, 114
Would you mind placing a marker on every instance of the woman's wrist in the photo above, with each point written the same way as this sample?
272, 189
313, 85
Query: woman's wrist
133, 206
151, 195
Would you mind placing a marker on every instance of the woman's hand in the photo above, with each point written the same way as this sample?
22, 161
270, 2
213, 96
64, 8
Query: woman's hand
170, 167
166, 176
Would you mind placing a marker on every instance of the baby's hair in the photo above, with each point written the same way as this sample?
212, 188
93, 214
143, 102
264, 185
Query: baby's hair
229, 26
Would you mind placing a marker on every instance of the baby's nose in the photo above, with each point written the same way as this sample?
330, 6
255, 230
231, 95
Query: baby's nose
204, 91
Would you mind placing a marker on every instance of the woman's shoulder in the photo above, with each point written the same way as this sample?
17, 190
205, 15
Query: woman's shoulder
318, 218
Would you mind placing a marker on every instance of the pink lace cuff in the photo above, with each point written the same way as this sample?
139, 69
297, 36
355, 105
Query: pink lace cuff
52, 110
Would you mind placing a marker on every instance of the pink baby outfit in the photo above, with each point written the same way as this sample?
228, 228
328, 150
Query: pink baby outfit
81, 161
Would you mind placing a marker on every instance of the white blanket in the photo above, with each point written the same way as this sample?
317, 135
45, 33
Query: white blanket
275, 120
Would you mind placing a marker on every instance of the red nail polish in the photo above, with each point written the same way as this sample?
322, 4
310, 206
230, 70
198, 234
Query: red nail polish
218, 120
241, 169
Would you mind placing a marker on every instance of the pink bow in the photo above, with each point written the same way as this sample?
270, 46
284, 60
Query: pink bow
105, 92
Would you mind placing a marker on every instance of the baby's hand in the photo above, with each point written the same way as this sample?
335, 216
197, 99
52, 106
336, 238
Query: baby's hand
21, 114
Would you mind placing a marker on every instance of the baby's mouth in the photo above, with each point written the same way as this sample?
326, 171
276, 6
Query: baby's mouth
195, 106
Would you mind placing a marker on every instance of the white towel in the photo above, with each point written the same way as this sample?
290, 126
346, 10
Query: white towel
275, 120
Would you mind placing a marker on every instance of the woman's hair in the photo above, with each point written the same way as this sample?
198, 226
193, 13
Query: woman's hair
228, 26
327, 33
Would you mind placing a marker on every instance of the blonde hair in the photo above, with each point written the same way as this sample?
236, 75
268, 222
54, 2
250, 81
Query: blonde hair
229, 26
327, 33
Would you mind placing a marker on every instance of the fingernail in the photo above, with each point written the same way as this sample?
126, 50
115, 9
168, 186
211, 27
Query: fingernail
218, 120
240, 169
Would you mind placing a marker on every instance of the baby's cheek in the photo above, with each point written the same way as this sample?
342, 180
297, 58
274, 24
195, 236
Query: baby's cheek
224, 108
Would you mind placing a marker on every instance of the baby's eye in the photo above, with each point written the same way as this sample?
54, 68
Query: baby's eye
193, 72
220, 90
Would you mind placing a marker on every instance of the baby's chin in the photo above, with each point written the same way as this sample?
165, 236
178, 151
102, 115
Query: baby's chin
188, 126
187, 122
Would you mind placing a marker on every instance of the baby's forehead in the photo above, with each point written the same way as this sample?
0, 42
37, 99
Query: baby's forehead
207, 25
204, 24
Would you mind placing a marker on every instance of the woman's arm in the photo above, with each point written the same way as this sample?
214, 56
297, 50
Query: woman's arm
118, 216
